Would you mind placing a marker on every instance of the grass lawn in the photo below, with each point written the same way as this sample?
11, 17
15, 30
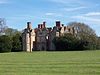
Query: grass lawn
50, 63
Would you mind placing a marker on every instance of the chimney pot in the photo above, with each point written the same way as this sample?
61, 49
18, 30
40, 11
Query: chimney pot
39, 26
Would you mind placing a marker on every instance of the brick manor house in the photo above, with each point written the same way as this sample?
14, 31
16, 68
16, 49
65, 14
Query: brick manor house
41, 38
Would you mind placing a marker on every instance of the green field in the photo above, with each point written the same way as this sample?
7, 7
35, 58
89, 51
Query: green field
50, 63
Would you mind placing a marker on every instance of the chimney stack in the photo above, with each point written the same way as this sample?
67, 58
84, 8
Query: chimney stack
29, 26
39, 26
57, 23
44, 24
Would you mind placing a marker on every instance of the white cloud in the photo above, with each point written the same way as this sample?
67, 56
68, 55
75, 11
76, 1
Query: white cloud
50, 14
3, 1
59, 1
72, 2
75, 3
73, 9
89, 18
65, 1
53, 14
93, 14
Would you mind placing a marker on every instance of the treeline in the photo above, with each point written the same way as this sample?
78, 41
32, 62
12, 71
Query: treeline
71, 43
11, 41
84, 39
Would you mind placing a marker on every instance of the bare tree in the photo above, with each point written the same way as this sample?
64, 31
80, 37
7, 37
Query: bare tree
82, 29
2, 26
85, 34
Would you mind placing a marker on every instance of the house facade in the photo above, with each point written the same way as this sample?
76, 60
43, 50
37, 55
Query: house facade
41, 38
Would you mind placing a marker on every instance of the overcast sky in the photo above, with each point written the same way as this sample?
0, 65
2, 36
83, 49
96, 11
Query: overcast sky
18, 12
